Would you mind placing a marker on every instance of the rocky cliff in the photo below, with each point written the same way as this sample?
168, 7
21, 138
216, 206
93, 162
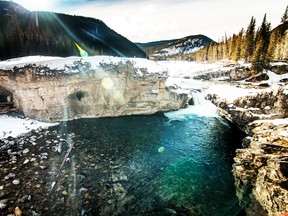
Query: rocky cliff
69, 88
267, 104
261, 167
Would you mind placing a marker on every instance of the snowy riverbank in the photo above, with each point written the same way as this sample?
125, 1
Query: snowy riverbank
15, 126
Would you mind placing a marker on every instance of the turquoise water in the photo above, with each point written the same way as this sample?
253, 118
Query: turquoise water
150, 165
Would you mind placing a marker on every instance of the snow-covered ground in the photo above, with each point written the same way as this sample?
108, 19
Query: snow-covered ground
182, 69
13, 126
181, 73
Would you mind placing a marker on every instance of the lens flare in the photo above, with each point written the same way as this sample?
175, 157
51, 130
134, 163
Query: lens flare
161, 149
83, 53
107, 83
118, 97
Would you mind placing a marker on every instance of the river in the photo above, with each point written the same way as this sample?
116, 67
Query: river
176, 163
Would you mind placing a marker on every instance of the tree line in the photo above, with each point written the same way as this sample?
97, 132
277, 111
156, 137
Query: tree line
54, 34
259, 46
17, 40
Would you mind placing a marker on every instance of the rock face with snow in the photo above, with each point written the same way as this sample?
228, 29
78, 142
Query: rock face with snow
243, 110
261, 167
59, 89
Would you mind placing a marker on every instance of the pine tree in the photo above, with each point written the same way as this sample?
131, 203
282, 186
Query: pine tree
238, 46
285, 15
249, 41
260, 58
275, 39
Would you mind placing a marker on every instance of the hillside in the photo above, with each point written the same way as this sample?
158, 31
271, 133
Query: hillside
24, 33
175, 48
279, 42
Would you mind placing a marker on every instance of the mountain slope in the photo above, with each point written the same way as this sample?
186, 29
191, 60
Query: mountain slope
278, 46
176, 47
25, 33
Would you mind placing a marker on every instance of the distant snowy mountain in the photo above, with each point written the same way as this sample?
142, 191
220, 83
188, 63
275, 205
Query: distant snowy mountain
177, 47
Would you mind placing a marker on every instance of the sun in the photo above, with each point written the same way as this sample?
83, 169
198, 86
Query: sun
36, 5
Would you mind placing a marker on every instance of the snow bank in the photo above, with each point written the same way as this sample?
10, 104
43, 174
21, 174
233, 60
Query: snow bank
231, 93
274, 78
13, 126
180, 69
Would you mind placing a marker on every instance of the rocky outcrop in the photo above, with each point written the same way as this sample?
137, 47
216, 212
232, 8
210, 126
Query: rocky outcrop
84, 90
269, 104
261, 167
229, 72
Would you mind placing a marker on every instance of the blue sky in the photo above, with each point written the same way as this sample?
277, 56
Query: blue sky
152, 20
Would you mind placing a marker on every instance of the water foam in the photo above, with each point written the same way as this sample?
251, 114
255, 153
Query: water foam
201, 107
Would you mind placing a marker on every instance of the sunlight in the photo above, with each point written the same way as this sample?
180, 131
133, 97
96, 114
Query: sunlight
83, 53
118, 96
107, 83
32, 5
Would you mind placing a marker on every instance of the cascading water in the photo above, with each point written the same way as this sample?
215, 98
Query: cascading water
200, 107
198, 98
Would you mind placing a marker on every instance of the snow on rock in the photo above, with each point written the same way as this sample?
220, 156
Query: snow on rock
70, 65
13, 126
283, 121
284, 133
285, 91
231, 93
275, 78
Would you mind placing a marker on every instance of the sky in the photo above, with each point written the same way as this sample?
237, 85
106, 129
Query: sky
154, 20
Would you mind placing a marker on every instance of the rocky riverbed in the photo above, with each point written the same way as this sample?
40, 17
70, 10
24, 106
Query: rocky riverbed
38, 176
137, 165
25, 184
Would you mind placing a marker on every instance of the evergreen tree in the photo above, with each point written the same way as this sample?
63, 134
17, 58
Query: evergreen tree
249, 40
275, 40
285, 15
260, 58
238, 46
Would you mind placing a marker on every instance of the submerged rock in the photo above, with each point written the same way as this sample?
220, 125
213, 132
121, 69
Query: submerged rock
15, 182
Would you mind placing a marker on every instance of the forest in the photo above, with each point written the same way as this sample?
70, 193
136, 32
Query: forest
25, 33
258, 47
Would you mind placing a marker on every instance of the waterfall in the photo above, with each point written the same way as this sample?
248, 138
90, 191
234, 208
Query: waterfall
198, 98
198, 105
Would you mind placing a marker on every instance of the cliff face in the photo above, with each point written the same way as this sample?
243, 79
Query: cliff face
261, 167
84, 90
269, 104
